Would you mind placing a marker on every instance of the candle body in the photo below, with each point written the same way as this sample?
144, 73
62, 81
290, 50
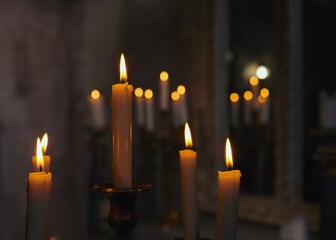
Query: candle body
265, 111
38, 206
97, 112
255, 91
234, 114
227, 205
46, 165
140, 116
188, 163
121, 103
183, 109
164, 95
176, 112
247, 112
150, 115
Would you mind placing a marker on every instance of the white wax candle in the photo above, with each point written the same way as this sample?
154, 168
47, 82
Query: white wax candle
121, 103
164, 91
234, 98
183, 105
149, 110
188, 163
248, 96
176, 108
96, 102
254, 82
139, 104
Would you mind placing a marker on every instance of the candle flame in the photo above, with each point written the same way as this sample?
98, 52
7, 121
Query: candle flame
228, 155
175, 96
138, 92
181, 89
254, 81
234, 97
39, 155
248, 95
264, 92
187, 136
148, 94
164, 76
44, 142
123, 72
95, 94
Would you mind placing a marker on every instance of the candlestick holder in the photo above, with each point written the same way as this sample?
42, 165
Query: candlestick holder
122, 217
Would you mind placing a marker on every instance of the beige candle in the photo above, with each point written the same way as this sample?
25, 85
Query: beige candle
248, 96
164, 91
149, 110
175, 97
188, 162
234, 98
139, 104
227, 200
183, 105
254, 82
96, 102
265, 106
121, 103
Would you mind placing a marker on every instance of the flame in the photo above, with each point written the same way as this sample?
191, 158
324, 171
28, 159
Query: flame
138, 92
148, 94
187, 136
175, 96
164, 76
39, 155
95, 94
44, 142
261, 99
123, 72
234, 97
248, 95
254, 81
181, 89
228, 154
264, 92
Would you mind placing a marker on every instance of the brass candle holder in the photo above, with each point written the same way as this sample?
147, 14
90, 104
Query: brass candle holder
122, 217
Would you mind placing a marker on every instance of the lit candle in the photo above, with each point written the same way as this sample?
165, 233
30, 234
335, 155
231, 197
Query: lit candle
46, 159
96, 102
248, 107
234, 98
183, 104
139, 104
188, 162
39, 199
121, 103
176, 108
254, 82
149, 110
227, 200
164, 91
265, 106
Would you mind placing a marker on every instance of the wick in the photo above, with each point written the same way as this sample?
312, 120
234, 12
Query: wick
40, 168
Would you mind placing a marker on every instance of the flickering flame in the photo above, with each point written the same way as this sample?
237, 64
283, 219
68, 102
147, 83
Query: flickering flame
228, 154
148, 94
248, 95
44, 142
264, 92
261, 99
254, 81
95, 94
39, 155
175, 96
138, 92
164, 76
234, 97
181, 89
187, 136
123, 72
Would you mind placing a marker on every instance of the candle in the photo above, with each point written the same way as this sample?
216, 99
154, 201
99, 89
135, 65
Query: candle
164, 91
254, 82
46, 159
227, 200
265, 106
149, 110
121, 103
234, 98
96, 102
188, 162
176, 108
248, 107
39, 199
139, 104
183, 104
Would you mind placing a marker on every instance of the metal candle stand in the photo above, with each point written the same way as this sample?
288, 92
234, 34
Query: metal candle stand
122, 217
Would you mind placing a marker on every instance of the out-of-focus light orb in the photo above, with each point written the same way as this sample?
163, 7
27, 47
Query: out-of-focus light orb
181, 90
262, 72
261, 99
264, 92
248, 95
164, 76
254, 81
249, 70
175, 96
148, 94
234, 97
95, 94
138, 92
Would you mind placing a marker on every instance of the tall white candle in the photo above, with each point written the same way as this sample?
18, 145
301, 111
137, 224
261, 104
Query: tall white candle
254, 82
96, 102
176, 108
183, 105
164, 91
188, 163
227, 200
248, 96
121, 103
139, 104
39, 200
234, 98
149, 110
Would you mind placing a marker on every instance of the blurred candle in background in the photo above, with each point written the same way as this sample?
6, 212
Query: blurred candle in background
181, 90
254, 82
248, 96
265, 106
176, 108
96, 102
149, 110
234, 98
121, 103
139, 104
164, 91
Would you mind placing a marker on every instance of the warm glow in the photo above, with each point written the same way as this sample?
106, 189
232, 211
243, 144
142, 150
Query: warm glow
262, 72
164, 76
39, 155
148, 94
228, 155
264, 92
138, 92
234, 97
44, 142
95, 94
261, 99
248, 95
123, 72
187, 136
254, 81
181, 90
175, 96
